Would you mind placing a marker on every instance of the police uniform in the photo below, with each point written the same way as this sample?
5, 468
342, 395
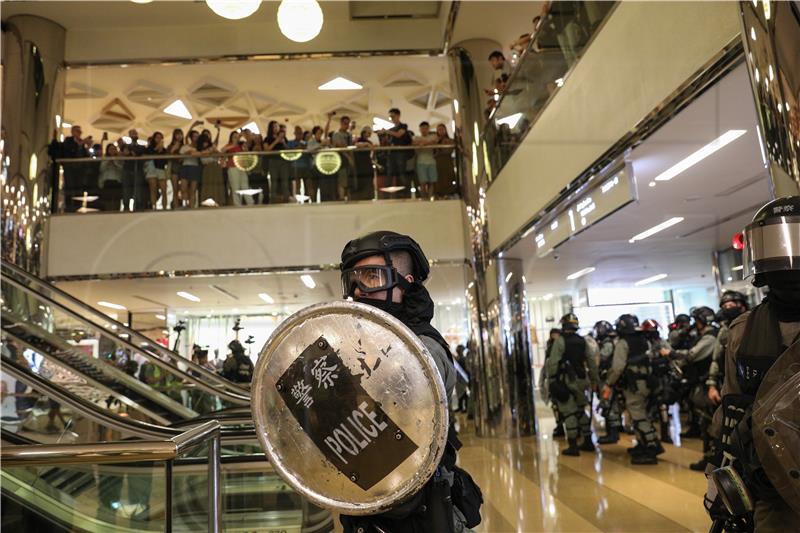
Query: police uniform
567, 366
758, 424
631, 361
612, 407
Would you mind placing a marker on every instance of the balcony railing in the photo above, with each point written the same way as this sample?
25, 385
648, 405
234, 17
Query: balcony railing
555, 47
217, 179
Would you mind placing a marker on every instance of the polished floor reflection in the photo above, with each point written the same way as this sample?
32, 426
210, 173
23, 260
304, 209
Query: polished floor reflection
528, 486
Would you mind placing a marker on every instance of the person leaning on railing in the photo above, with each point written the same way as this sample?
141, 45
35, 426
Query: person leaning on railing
110, 181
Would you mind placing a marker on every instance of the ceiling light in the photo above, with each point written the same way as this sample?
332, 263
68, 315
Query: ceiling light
651, 184
655, 229
266, 297
252, 126
188, 296
508, 277
66, 125
308, 281
511, 120
381, 124
720, 142
651, 279
141, 1
548, 296
340, 84
740, 267
234, 9
178, 109
161, 317
300, 20
580, 273
112, 305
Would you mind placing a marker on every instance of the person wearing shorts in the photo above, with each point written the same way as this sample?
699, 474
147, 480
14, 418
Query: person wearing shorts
190, 173
426, 162
156, 170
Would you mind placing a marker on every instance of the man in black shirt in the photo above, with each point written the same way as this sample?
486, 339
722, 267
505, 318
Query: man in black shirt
75, 174
133, 183
396, 160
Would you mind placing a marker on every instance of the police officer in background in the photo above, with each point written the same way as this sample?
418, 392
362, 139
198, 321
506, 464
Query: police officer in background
757, 418
631, 362
570, 363
610, 408
731, 305
680, 337
385, 269
665, 390
237, 367
695, 363
555, 333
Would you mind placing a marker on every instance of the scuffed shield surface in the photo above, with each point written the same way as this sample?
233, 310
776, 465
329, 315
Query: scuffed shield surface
349, 407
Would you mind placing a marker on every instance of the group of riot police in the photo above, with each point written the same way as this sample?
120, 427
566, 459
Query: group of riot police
632, 368
735, 373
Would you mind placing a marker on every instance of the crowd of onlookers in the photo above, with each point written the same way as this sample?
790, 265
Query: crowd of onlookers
196, 168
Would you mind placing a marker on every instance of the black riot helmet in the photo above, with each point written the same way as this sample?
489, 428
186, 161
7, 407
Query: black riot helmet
703, 315
627, 324
772, 240
733, 296
602, 329
569, 323
681, 320
375, 278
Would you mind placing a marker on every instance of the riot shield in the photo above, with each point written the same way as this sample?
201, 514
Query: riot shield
349, 407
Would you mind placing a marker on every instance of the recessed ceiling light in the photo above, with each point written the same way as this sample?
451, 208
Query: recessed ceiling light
720, 142
252, 126
188, 296
655, 229
308, 281
580, 273
161, 317
178, 109
510, 120
740, 267
266, 297
651, 279
112, 305
340, 84
379, 123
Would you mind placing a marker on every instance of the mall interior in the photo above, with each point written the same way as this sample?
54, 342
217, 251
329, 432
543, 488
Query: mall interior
179, 181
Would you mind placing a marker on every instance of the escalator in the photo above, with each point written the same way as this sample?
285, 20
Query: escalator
72, 335
35, 299
129, 497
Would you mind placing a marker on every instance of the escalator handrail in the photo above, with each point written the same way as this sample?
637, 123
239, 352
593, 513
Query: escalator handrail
113, 373
232, 397
227, 385
110, 452
89, 410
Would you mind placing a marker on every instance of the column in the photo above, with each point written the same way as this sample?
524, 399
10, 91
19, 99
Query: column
501, 362
33, 94
771, 36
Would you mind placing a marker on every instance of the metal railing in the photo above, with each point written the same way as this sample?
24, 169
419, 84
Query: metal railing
127, 337
134, 451
215, 178
555, 46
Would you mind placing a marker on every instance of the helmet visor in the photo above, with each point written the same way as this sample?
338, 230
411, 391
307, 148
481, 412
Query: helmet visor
772, 246
368, 279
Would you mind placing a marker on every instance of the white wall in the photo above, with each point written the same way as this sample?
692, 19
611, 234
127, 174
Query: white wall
645, 51
243, 237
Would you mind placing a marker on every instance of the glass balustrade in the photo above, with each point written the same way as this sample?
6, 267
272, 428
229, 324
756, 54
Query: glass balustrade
516, 100
213, 178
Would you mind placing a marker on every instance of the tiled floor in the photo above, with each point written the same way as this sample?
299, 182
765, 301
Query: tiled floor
528, 486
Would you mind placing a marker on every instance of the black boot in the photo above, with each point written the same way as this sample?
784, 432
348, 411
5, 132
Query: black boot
572, 449
586, 445
699, 466
611, 436
665, 436
558, 432
647, 456
635, 449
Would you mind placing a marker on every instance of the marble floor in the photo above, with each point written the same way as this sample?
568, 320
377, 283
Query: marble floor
528, 486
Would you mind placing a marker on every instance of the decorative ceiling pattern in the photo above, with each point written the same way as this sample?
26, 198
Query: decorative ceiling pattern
115, 99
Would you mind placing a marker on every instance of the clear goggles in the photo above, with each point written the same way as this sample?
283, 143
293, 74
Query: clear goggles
368, 279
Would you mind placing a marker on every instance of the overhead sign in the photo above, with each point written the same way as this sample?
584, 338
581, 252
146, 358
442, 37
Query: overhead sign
587, 208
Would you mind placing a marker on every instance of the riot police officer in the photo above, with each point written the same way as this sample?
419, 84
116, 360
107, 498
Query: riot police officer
632, 362
731, 305
543, 384
610, 408
664, 378
570, 363
386, 270
695, 363
757, 419
679, 336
